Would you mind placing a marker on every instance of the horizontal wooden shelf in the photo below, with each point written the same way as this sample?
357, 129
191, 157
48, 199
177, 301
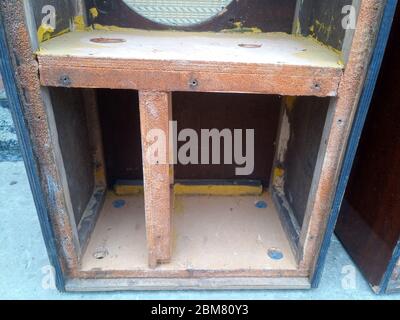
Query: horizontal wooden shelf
273, 63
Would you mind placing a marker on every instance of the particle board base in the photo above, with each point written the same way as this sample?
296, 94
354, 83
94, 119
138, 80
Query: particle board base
228, 237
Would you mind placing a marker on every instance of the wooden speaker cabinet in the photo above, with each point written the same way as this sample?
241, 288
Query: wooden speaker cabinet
91, 81
369, 221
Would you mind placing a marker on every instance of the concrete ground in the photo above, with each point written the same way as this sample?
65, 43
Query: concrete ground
24, 264
9, 149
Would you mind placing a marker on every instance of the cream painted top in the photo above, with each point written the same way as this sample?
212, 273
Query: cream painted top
257, 48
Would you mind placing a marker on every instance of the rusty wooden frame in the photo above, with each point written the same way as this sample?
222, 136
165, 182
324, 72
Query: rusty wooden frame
178, 76
342, 111
337, 129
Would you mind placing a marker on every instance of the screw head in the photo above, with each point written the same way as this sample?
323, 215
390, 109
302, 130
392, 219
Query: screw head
65, 80
193, 83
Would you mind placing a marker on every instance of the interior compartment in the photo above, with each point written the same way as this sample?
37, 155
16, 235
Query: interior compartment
221, 230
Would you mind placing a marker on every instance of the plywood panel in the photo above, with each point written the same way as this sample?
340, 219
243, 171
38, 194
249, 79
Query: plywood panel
77, 152
199, 111
231, 235
306, 118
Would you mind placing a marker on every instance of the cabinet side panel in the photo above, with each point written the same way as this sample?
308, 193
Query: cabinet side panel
322, 19
307, 118
73, 135
369, 223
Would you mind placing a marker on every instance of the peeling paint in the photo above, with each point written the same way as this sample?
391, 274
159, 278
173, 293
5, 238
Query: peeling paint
319, 27
94, 12
284, 138
44, 32
79, 23
240, 29
100, 27
305, 54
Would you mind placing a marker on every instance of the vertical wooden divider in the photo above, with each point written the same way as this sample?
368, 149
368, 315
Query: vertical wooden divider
155, 111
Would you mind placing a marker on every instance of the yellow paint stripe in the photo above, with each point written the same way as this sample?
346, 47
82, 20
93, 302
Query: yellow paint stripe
182, 189
218, 190
126, 190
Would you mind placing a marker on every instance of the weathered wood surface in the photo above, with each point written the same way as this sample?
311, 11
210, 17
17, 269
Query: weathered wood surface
337, 129
38, 123
213, 282
253, 63
154, 115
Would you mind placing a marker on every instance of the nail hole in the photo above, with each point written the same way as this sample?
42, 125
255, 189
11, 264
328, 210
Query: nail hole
275, 254
107, 40
250, 45
100, 253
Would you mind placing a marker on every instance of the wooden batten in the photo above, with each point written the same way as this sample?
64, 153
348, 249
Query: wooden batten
154, 113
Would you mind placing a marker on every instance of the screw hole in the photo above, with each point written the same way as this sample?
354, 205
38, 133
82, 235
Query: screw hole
193, 83
100, 253
65, 80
